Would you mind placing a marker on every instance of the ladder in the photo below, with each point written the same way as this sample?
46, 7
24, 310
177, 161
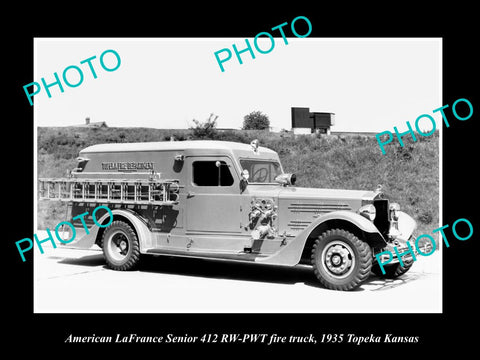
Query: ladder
125, 191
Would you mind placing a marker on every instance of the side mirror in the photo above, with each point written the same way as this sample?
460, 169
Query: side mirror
244, 180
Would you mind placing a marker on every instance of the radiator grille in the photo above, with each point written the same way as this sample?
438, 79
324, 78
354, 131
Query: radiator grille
382, 218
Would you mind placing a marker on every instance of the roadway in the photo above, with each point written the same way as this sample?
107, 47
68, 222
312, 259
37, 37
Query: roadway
78, 281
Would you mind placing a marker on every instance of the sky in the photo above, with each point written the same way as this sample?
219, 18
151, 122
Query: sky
371, 84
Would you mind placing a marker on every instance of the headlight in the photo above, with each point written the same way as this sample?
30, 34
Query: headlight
394, 208
286, 179
368, 211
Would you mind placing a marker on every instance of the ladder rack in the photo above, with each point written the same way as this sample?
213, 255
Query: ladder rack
126, 191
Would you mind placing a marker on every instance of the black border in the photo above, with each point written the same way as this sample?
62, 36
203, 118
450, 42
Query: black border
460, 70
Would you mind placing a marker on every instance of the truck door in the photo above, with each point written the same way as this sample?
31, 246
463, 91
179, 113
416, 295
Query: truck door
213, 195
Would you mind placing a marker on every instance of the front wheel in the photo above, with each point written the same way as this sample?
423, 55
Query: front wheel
340, 260
120, 246
393, 271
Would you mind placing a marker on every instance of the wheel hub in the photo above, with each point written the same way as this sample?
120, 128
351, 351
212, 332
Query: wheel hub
118, 246
338, 259
122, 245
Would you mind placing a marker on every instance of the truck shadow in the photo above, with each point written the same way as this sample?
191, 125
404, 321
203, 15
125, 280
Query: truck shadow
227, 270
377, 283
88, 260
230, 270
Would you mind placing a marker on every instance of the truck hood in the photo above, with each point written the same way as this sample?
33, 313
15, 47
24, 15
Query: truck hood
296, 194
321, 200
302, 193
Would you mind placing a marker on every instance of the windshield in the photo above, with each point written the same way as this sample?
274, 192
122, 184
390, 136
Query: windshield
261, 171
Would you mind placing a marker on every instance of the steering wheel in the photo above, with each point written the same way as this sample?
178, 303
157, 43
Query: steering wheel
260, 175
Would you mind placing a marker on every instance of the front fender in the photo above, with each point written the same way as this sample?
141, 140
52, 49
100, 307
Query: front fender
292, 252
140, 227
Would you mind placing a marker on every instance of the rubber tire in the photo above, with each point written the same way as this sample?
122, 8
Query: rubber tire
363, 260
132, 258
392, 271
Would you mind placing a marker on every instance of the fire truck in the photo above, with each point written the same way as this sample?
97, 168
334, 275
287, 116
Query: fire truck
230, 201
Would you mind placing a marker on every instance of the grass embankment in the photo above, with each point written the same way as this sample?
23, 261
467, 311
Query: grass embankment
409, 175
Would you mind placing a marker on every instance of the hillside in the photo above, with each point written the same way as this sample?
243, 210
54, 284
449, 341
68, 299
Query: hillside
409, 175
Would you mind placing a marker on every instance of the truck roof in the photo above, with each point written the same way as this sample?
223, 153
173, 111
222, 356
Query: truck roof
172, 145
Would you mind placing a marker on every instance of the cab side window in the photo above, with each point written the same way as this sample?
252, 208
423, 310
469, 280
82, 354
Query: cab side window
211, 173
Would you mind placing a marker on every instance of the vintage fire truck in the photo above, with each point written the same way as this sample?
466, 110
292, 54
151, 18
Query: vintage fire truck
226, 200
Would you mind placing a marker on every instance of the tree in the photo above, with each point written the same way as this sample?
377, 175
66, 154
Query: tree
205, 130
256, 121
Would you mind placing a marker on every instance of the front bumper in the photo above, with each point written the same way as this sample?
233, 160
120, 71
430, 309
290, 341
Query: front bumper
404, 250
401, 242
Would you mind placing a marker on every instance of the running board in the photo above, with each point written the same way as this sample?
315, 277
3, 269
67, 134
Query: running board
206, 255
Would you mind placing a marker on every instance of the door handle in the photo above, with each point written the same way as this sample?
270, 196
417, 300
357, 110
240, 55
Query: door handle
190, 194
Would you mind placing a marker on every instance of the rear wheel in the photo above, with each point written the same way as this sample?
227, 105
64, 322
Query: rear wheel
120, 245
340, 260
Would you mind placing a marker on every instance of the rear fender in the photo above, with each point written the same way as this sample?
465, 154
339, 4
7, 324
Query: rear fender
136, 221
291, 254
